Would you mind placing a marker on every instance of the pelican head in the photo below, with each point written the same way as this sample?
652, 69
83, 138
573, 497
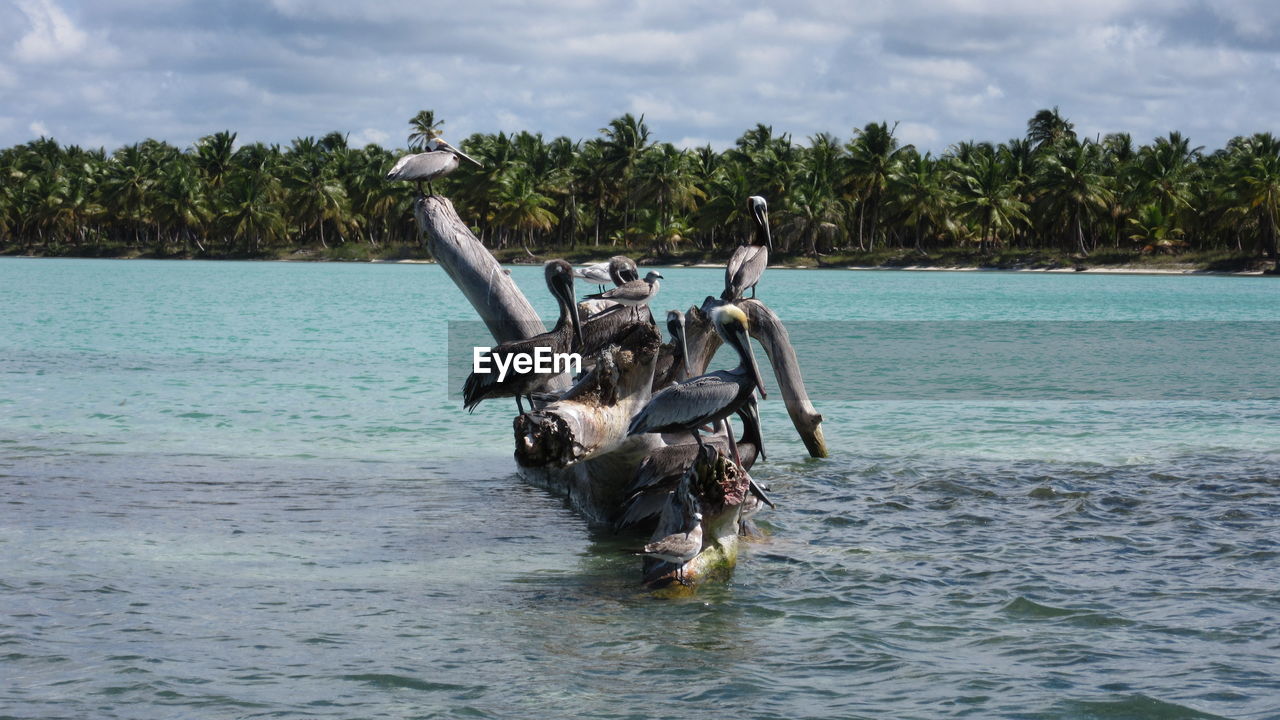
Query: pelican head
560, 282
760, 212
675, 325
730, 323
439, 145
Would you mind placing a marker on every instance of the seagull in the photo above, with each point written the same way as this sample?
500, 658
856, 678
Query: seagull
440, 159
598, 274
749, 261
680, 547
632, 294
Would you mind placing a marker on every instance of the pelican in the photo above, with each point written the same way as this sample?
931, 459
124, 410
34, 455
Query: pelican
675, 325
749, 261
709, 398
440, 159
674, 366
634, 293
566, 335
662, 469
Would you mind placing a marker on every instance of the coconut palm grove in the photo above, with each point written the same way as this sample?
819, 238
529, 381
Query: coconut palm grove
1047, 198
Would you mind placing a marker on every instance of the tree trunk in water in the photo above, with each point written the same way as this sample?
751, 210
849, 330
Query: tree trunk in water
578, 443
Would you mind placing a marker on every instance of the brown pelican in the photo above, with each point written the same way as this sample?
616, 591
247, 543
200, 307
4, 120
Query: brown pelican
632, 294
661, 471
709, 398
566, 335
440, 159
749, 261
674, 366
675, 326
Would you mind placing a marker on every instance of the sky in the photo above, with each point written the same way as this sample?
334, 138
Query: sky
113, 72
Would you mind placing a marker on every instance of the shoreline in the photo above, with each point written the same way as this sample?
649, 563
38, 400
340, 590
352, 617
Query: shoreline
1099, 270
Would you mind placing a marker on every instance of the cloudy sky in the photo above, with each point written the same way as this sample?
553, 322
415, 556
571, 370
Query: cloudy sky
111, 72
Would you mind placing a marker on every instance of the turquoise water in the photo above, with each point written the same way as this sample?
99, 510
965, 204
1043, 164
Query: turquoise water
243, 490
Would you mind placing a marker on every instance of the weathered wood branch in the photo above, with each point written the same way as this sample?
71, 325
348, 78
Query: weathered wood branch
488, 287
769, 331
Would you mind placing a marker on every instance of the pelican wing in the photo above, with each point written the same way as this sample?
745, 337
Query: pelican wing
423, 166
689, 404
598, 273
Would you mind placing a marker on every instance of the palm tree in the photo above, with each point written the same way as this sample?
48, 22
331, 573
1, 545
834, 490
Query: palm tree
666, 177
920, 196
1048, 127
626, 139
874, 156
424, 126
1072, 190
988, 194
1258, 185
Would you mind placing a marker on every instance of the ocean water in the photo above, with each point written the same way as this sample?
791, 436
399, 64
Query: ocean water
240, 490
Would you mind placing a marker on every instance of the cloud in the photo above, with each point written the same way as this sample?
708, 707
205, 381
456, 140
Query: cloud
947, 70
52, 37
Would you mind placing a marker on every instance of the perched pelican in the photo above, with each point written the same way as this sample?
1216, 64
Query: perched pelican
749, 261
675, 325
634, 293
658, 475
440, 159
566, 335
674, 366
708, 398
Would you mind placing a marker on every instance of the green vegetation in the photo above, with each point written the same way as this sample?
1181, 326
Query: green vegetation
1048, 199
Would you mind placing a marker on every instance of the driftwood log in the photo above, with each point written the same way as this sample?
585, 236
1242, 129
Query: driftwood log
576, 443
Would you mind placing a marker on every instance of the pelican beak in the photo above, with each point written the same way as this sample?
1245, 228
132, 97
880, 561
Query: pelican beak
459, 153
675, 325
761, 215
743, 344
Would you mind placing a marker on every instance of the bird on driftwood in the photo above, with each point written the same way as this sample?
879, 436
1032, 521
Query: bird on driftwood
440, 159
749, 261
689, 405
618, 269
563, 338
685, 543
660, 472
633, 294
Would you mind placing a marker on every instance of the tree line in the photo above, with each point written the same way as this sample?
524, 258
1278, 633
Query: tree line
1049, 190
